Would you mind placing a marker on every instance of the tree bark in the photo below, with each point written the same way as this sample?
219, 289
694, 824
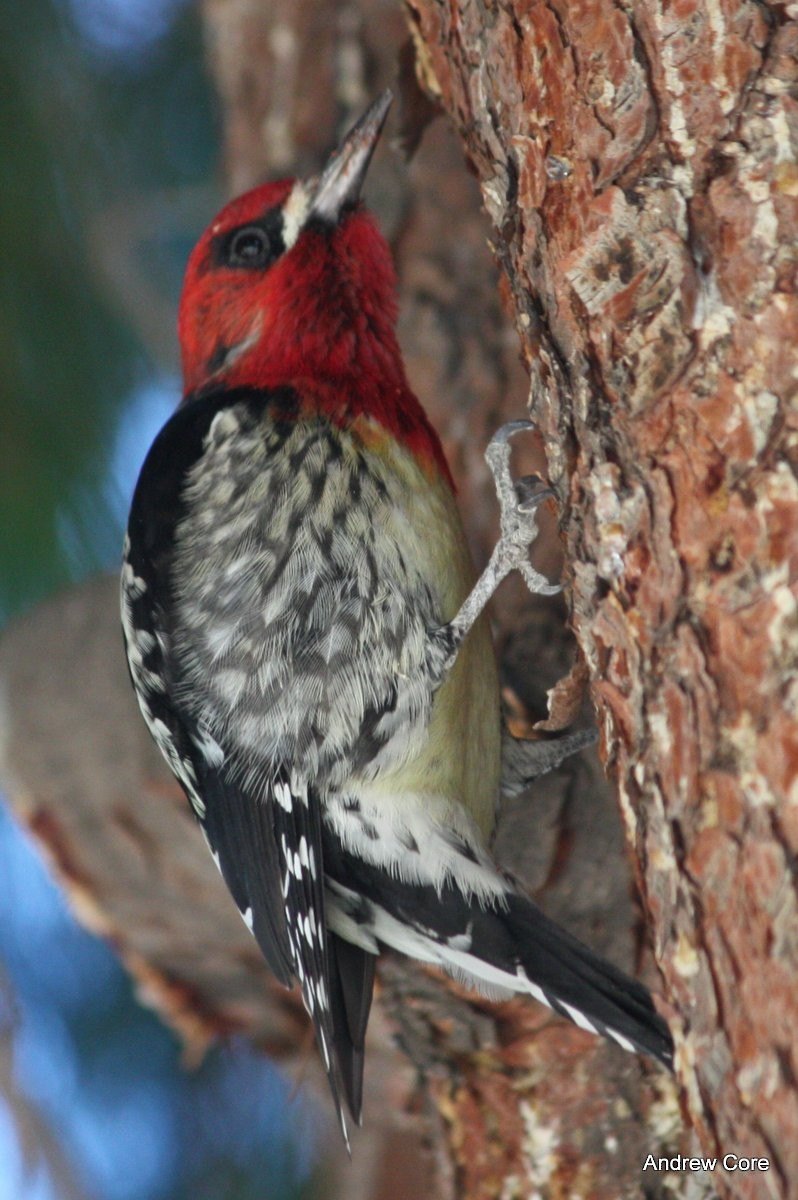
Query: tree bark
639, 166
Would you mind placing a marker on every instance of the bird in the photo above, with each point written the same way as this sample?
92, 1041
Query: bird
308, 641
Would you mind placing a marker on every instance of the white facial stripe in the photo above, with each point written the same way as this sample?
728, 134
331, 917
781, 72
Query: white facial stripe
295, 211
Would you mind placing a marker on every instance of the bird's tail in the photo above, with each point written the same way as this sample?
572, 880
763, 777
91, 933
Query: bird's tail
500, 942
518, 947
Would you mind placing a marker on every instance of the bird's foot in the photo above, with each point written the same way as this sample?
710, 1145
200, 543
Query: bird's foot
519, 500
518, 503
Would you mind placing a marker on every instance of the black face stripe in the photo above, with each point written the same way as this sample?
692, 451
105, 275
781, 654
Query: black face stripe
253, 246
218, 358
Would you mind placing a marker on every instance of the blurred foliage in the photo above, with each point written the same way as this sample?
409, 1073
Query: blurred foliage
81, 134
108, 125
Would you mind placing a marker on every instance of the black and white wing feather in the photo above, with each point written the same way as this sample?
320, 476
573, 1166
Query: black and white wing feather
263, 829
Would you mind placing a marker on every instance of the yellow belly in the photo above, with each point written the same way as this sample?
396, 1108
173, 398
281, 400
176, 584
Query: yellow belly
460, 762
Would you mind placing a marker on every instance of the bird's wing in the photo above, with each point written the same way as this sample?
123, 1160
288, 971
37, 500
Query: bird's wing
262, 826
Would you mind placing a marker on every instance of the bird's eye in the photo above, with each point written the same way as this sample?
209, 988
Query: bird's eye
249, 247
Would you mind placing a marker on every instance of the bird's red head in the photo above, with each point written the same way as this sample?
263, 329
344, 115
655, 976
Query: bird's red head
293, 283
273, 294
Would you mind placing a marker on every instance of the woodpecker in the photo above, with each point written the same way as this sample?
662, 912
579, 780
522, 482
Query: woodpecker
307, 642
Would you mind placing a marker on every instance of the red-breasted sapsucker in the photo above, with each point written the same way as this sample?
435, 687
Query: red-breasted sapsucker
304, 633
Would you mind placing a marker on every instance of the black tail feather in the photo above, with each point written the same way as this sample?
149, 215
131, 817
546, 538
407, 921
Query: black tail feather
571, 976
351, 988
502, 942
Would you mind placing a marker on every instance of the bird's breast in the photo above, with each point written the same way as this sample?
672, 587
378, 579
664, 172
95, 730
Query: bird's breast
314, 561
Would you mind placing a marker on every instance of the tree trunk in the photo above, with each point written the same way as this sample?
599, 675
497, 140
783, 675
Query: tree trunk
639, 167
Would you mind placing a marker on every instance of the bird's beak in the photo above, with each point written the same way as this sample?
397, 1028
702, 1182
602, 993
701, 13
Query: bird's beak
340, 182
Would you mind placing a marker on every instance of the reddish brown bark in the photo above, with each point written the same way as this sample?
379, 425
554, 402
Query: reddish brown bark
639, 166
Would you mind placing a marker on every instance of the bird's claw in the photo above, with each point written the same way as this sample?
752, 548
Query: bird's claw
497, 451
537, 583
531, 491
508, 430
517, 504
